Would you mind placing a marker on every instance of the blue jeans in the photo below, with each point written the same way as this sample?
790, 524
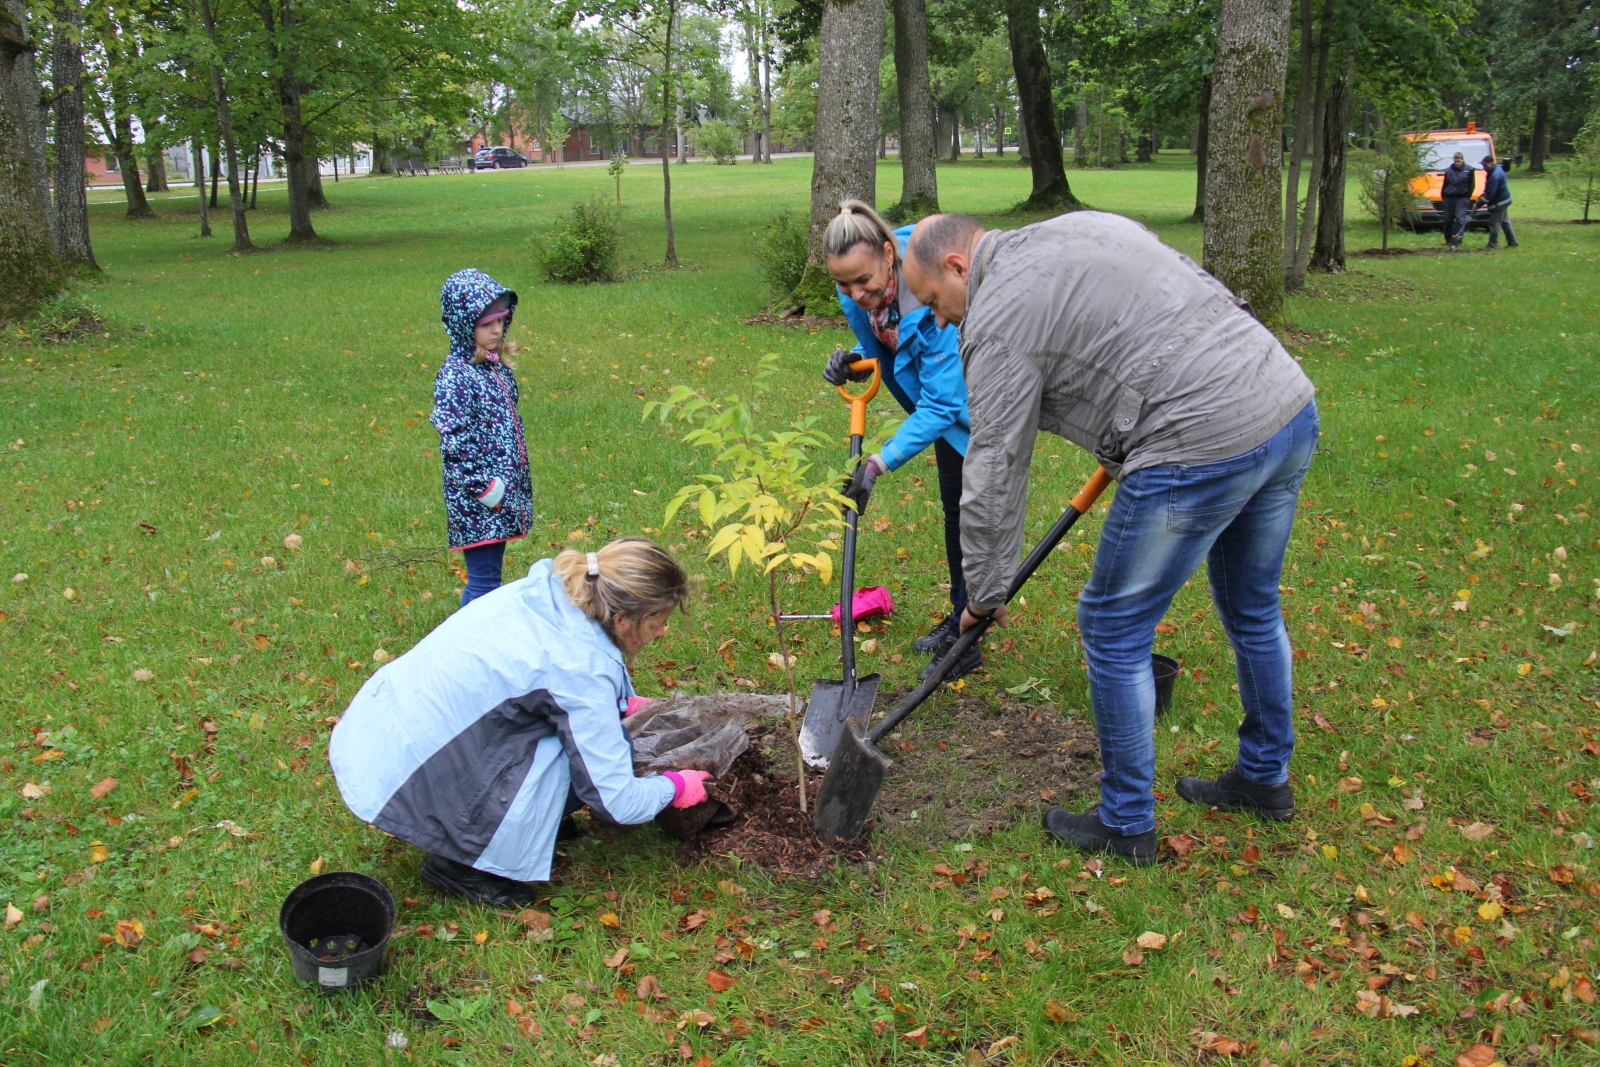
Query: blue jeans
1234, 515
483, 570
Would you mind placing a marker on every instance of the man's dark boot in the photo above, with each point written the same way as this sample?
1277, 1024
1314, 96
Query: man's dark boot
939, 638
1087, 833
1232, 791
460, 880
970, 661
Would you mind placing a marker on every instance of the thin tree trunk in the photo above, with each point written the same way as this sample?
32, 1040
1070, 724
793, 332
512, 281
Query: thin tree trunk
788, 671
766, 82
666, 121
1295, 276
1000, 131
66, 77
682, 145
30, 271
1302, 139
255, 179
919, 180
219, 89
31, 99
1328, 255
1540, 144
216, 171
119, 131
197, 172
1244, 185
1202, 149
1036, 105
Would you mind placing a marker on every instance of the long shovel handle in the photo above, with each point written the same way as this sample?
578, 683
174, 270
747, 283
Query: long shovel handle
1075, 510
858, 401
847, 568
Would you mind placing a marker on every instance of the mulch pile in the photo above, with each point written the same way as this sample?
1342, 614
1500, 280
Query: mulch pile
768, 828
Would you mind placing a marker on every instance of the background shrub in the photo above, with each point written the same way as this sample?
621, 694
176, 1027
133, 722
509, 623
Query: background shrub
585, 247
716, 139
780, 248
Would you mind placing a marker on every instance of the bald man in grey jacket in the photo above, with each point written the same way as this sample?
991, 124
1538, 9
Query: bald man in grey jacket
1089, 327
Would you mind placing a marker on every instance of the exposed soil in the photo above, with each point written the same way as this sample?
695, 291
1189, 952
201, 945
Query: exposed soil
961, 767
799, 322
1386, 252
767, 828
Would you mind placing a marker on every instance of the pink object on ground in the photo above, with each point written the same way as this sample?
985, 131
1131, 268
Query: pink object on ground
689, 787
868, 602
635, 704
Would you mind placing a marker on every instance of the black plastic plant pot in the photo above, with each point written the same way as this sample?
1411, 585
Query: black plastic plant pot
1165, 669
337, 926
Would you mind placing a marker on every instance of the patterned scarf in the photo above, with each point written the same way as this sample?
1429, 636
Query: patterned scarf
886, 319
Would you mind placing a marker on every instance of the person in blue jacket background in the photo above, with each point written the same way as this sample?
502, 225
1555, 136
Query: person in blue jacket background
475, 744
921, 366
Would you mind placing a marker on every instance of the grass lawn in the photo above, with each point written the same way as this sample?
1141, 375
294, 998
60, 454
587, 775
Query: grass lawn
1439, 889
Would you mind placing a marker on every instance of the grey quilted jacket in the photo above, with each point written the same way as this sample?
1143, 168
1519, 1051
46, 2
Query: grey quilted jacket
1087, 326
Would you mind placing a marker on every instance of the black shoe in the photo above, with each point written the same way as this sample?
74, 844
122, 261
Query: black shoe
459, 880
970, 661
940, 638
1087, 833
1232, 791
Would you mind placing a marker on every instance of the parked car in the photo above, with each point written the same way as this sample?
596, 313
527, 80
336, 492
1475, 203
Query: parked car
1437, 149
498, 157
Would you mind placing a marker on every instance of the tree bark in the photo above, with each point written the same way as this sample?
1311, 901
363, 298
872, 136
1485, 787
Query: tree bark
1540, 144
999, 131
294, 128
219, 90
216, 171
31, 98
1302, 138
849, 53
1328, 255
196, 170
766, 80
156, 165
30, 272
119, 131
671, 258
919, 181
1202, 149
313, 166
1036, 106
1244, 185
66, 77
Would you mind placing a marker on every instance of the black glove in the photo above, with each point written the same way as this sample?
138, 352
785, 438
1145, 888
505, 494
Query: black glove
837, 371
859, 487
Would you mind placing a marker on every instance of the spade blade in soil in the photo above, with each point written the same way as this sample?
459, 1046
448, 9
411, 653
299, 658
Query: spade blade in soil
849, 789
832, 705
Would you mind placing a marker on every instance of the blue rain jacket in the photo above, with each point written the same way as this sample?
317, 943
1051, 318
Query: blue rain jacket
468, 744
480, 432
924, 374
1496, 190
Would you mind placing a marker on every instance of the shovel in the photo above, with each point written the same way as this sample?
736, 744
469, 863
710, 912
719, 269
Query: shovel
834, 703
856, 769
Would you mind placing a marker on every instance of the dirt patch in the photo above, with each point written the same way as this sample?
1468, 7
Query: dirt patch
953, 777
1386, 252
768, 828
798, 322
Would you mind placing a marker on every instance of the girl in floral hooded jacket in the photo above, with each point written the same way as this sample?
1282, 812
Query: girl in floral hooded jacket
488, 491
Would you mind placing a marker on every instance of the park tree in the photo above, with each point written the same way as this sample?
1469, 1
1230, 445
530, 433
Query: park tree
1542, 53
1036, 109
919, 181
1243, 223
67, 78
214, 64
1385, 173
31, 100
30, 272
1578, 182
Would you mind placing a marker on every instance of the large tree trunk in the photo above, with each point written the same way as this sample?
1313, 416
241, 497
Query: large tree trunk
671, 258
282, 21
1202, 149
1302, 138
919, 182
219, 90
314, 194
1037, 108
1295, 274
1244, 186
66, 77
1328, 255
848, 54
155, 157
31, 99
119, 131
29, 270
1540, 144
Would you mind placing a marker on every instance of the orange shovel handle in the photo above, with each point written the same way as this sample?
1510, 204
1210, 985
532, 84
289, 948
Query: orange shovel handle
858, 402
1091, 491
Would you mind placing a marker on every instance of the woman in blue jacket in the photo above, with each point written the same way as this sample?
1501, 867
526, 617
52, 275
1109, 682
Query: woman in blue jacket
920, 364
475, 744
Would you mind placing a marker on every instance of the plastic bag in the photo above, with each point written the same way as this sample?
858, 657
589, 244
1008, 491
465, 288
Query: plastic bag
697, 733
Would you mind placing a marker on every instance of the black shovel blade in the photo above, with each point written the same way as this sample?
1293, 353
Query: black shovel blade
849, 789
832, 705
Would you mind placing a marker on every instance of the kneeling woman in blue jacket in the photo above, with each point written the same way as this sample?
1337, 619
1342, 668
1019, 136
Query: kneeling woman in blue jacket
476, 743
921, 365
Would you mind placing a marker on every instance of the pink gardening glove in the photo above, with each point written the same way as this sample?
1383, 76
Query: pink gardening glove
868, 602
635, 704
689, 787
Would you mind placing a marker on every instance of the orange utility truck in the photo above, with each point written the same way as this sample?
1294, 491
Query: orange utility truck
1437, 149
